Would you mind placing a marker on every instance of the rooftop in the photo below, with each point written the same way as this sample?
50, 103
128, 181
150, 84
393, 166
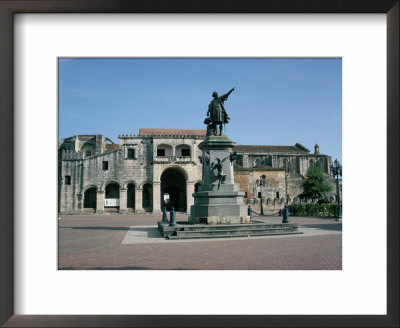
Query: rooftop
172, 132
110, 147
86, 136
298, 148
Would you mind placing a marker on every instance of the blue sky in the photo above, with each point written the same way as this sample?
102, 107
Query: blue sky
275, 102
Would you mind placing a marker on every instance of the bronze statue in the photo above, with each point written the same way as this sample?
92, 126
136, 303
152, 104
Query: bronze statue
216, 114
220, 173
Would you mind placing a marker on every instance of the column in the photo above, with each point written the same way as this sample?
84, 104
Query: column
138, 200
100, 202
80, 203
156, 197
122, 200
189, 195
245, 160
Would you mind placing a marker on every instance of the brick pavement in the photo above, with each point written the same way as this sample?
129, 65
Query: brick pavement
95, 242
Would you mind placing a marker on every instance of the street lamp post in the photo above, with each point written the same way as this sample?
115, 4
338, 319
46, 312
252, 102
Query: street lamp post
337, 171
261, 183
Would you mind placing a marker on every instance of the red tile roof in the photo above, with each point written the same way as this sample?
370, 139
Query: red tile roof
270, 149
172, 132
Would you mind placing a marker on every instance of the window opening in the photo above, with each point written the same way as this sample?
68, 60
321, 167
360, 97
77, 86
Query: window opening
186, 152
131, 153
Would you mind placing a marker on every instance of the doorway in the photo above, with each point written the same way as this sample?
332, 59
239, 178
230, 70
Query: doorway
173, 183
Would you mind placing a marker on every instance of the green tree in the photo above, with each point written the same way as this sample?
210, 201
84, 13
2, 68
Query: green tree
314, 185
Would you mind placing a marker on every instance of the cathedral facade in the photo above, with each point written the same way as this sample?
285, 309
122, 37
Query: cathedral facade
140, 171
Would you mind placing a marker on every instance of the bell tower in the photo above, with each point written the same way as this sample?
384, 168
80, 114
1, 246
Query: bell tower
316, 149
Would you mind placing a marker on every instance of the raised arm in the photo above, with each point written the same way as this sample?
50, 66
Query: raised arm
225, 96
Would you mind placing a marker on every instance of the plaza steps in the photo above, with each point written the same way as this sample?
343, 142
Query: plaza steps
198, 231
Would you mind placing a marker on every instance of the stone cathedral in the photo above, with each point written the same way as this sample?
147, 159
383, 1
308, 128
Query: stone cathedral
136, 174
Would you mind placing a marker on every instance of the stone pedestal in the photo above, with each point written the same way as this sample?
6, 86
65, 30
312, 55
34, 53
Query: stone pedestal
218, 200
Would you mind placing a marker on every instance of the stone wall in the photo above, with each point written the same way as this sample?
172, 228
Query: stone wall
291, 163
284, 172
144, 167
278, 186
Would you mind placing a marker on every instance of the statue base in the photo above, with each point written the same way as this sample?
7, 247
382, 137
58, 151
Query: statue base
220, 220
218, 202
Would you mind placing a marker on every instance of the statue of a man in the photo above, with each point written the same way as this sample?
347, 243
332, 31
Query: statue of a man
216, 111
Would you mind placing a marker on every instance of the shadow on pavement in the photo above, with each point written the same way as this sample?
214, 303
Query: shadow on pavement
118, 268
148, 232
96, 228
331, 227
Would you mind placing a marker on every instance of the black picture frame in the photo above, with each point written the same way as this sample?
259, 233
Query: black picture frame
7, 10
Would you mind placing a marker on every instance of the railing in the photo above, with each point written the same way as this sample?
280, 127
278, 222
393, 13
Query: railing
183, 158
172, 159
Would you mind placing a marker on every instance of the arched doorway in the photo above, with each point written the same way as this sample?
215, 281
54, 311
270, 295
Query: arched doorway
173, 183
111, 203
130, 204
89, 199
147, 198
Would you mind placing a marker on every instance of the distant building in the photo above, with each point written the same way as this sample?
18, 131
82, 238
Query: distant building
99, 176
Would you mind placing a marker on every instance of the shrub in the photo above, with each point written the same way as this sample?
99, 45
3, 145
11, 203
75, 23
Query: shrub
298, 209
332, 209
313, 209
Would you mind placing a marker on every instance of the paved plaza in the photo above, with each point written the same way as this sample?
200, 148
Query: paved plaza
132, 242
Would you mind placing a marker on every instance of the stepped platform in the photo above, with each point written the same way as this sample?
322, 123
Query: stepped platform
184, 230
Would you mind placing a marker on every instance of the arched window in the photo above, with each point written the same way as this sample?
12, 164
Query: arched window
164, 150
